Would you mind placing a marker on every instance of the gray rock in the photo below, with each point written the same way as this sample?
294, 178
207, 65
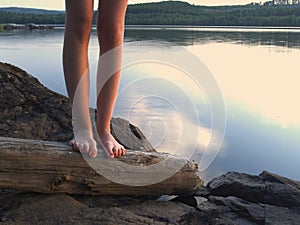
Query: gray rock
238, 198
229, 210
266, 188
29, 26
30, 208
247, 210
188, 200
32, 111
233, 210
275, 215
131, 136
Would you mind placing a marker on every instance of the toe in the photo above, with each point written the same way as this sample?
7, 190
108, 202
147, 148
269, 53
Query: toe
120, 151
93, 154
74, 145
93, 150
81, 147
85, 148
116, 152
123, 150
71, 143
110, 151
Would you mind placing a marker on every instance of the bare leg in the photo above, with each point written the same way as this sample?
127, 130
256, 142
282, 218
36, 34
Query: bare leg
79, 15
110, 33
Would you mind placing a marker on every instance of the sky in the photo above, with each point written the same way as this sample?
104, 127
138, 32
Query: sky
59, 4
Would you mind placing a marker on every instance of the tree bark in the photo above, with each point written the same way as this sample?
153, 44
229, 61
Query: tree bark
53, 167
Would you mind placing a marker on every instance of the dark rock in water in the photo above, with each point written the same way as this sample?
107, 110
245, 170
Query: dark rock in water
30, 110
28, 26
32, 26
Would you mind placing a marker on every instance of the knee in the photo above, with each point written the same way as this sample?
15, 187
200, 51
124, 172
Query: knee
80, 25
110, 32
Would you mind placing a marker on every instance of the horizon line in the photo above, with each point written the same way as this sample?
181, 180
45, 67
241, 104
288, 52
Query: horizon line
238, 4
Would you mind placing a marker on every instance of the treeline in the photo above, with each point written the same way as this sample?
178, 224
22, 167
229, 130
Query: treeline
24, 18
181, 13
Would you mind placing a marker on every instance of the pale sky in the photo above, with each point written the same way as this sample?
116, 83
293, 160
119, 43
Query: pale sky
59, 4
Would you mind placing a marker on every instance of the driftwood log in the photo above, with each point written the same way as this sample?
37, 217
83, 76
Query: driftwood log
52, 167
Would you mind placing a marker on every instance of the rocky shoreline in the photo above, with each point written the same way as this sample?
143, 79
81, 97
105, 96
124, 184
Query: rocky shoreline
30, 110
28, 26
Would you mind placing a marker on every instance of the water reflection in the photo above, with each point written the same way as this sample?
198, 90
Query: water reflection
252, 146
285, 38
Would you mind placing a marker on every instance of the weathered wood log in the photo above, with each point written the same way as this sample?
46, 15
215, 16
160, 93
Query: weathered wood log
52, 167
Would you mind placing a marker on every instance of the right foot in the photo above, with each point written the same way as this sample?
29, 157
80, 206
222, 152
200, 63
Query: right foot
85, 143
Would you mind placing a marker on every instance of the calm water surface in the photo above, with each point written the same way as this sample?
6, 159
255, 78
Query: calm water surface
257, 71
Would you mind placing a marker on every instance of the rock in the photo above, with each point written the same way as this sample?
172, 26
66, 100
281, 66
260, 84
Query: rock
12, 26
31, 208
229, 210
239, 198
247, 210
29, 26
266, 188
32, 26
233, 210
275, 215
41, 113
32, 111
130, 135
188, 200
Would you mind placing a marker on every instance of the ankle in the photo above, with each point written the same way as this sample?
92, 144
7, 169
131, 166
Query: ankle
83, 131
103, 130
83, 126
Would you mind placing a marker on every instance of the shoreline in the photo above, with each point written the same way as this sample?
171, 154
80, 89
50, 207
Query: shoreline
167, 27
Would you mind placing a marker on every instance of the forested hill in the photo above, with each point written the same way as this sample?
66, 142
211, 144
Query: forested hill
180, 13
29, 10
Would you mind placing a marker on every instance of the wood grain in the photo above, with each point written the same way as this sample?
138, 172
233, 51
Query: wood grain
53, 167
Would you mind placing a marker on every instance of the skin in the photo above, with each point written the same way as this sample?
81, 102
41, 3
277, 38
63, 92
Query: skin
110, 27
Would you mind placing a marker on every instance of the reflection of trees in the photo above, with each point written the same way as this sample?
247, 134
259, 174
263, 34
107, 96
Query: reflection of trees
190, 37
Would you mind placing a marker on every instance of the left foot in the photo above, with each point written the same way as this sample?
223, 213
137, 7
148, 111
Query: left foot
111, 146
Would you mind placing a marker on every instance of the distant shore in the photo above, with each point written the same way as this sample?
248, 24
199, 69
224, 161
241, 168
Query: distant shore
32, 26
176, 13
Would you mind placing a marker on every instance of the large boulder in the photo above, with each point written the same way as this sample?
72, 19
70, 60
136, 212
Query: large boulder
266, 188
239, 198
216, 210
61, 209
32, 111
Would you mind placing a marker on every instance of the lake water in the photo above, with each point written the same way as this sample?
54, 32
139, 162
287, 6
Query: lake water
257, 71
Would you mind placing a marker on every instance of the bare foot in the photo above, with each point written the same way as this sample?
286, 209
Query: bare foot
84, 142
111, 146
